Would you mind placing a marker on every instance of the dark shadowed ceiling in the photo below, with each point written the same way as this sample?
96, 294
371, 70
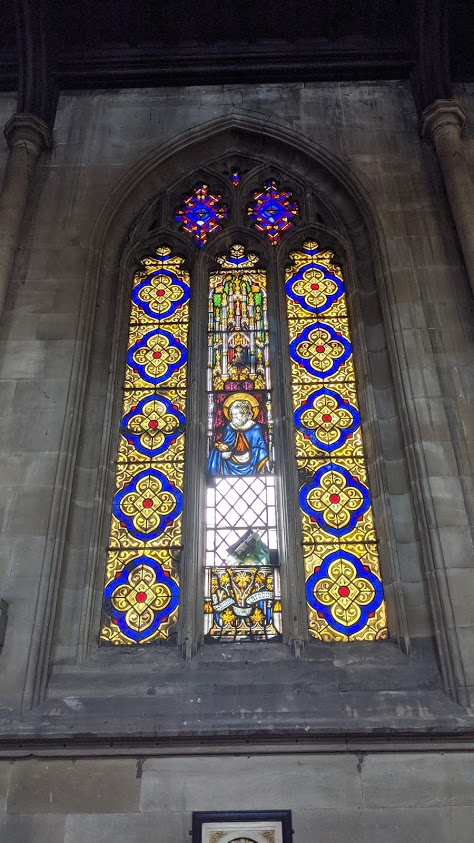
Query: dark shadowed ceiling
108, 43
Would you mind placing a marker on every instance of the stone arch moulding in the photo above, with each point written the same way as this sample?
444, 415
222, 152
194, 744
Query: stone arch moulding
118, 228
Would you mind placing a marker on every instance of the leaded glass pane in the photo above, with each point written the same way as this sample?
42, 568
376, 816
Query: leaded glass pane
273, 211
201, 213
242, 581
141, 593
343, 588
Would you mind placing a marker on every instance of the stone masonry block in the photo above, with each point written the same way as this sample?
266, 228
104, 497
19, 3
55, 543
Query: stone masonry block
448, 501
40, 394
7, 391
36, 828
67, 786
5, 770
162, 827
457, 824
416, 780
56, 326
461, 589
195, 784
465, 636
457, 544
402, 514
28, 512
22, 359
417, 825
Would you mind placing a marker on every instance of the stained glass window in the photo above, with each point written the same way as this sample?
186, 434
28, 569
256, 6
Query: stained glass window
241, 561
343, 588
242, 583
141, 592
201, 213
273, 211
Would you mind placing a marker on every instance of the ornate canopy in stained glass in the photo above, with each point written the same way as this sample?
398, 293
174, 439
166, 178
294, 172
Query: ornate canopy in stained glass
242, 583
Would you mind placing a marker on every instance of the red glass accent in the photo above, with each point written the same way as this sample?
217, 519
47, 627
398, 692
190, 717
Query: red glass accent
326, 417
147, 503
343, 591
315, 286
160, 292
157, 354
153, 424
334, 498
140, 596
320, 349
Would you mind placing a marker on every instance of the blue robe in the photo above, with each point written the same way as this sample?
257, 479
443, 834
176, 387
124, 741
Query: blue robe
248, 442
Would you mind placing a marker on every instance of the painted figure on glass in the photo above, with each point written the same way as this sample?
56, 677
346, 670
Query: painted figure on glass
242, 450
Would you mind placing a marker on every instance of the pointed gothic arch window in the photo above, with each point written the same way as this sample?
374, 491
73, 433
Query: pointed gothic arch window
255, 481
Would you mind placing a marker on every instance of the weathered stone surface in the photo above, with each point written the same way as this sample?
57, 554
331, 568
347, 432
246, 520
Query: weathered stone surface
417, 331
162, 827
5, 770
82, 786
417, 780
418, 825
185, 784
34, 828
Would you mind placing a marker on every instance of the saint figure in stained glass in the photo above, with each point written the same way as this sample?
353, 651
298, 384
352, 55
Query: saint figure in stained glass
242, 593
242, 450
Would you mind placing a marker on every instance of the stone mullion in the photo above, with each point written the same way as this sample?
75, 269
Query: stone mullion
191, 606
294, 611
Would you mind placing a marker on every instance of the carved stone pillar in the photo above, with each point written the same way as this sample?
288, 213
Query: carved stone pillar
442, 123
26, 136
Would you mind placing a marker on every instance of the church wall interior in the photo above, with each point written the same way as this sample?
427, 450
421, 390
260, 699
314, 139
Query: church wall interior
348, 797
49, 476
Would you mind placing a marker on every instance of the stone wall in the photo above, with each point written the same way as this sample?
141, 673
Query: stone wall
98, 137
7, 108
345, 798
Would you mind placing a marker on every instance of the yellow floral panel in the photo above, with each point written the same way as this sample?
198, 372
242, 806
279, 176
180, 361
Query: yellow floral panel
141, 594
343, 588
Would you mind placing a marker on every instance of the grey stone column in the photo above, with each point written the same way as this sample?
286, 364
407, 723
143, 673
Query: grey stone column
26, 136
442, 123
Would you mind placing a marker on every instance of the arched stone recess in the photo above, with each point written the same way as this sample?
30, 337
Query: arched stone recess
130, 225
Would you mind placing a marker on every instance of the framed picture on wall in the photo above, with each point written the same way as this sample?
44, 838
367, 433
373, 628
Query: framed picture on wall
242, 827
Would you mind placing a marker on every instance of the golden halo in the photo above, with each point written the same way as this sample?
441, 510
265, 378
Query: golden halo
241, 396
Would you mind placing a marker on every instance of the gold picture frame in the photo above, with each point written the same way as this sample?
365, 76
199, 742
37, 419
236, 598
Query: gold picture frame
242, 827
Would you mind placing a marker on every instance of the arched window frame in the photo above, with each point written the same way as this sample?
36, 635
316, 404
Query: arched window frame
200, 263
68, 612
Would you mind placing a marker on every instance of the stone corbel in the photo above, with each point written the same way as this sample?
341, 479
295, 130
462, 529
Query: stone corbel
29, 130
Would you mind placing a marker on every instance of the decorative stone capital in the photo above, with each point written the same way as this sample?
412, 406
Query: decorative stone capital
442, 113
27, 129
